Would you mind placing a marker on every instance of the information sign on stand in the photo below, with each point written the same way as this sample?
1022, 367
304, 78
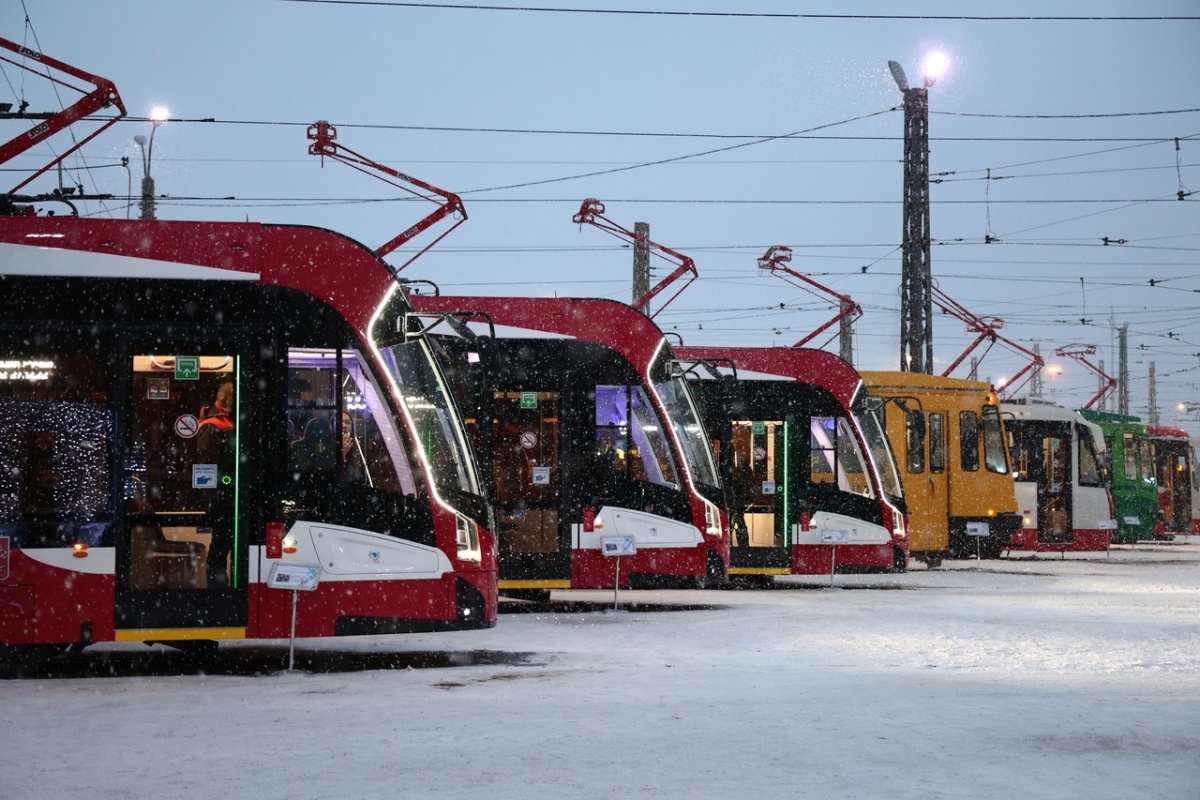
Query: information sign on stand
978, 530
617, 546
833, 537
298, 578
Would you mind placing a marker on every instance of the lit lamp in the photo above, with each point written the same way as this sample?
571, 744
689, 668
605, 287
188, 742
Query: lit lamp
157, 117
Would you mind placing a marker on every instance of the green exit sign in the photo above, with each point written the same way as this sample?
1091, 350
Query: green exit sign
187, 368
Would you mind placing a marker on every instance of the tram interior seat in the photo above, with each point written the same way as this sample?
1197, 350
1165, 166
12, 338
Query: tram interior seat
161, 563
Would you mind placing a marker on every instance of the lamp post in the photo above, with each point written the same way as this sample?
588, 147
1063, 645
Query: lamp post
916, 296
157, 117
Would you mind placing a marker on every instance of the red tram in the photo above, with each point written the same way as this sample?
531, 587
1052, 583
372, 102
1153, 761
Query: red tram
587, 431
114, 334
128, 347
812, 480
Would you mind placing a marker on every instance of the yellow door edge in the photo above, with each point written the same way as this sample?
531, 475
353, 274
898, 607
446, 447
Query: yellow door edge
759, 571
177, 634
534, 584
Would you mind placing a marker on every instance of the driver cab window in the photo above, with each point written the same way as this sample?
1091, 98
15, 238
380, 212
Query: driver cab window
338, 427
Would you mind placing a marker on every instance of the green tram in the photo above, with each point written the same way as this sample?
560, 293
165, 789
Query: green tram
1134, 484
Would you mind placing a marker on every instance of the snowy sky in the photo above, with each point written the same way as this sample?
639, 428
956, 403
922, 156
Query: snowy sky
1028, 678
1047, 135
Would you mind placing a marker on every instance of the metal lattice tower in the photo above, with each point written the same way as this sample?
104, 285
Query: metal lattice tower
1035, 380
916, 303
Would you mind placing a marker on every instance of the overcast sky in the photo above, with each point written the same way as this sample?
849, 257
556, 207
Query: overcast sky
1049, 137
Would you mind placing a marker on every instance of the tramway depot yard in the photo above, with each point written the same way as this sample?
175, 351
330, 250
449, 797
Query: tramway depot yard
1074, 677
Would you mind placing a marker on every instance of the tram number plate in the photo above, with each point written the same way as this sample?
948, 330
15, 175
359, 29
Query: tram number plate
297, 577
978, 529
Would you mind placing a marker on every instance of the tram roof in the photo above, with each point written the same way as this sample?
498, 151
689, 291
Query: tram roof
327, 265
800, 364
607, 322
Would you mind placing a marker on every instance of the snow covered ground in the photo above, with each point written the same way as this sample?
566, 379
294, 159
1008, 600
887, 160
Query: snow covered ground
1018, 678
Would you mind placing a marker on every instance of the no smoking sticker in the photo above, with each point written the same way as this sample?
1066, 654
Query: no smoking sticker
186, 426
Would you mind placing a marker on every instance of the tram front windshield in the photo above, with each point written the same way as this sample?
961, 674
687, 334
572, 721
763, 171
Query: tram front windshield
868, 416
425, 396
673, 391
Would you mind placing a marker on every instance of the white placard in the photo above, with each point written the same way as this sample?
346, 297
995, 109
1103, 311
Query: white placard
835, 536
297, 577
768, 487
978, 529
541, 476
204, 476
618, 546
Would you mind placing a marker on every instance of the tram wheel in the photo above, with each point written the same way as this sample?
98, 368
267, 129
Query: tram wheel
28, 656
529, 595
198, 648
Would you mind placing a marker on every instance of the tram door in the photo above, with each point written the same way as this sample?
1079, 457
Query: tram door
1054, 490
527, 489
926, 481
1174, 486
182, 550
760, 529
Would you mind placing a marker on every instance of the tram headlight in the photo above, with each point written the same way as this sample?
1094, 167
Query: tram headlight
467, 533
290, 545
712, 519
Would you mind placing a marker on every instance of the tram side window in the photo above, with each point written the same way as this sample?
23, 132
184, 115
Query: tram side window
1089, 465
823, 453
937, 442
835, 455
914, 442
351, 441
1021, 446
1146, 454
994, 456
55, 434
1129, 453
628, 418
968, 432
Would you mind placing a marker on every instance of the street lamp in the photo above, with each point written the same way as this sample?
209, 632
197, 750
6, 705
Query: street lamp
916, 294
157, 117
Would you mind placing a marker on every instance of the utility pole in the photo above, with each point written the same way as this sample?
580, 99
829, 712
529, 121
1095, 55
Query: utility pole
157, 117
1101, 382
846, 330
1123, 369
916, 303
1152, 399
641, 262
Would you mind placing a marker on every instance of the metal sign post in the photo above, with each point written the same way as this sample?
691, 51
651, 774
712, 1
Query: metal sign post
298, 578
833, 537
617, 546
